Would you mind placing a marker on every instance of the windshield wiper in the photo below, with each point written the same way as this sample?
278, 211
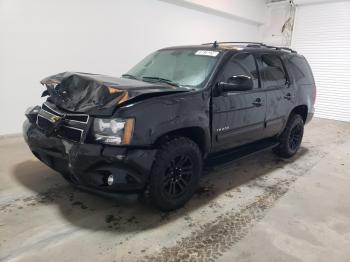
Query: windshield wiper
130, 76
159, 79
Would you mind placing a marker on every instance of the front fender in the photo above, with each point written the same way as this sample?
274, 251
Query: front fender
158, 116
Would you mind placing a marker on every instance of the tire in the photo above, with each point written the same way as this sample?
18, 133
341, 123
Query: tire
175, 173
291, 137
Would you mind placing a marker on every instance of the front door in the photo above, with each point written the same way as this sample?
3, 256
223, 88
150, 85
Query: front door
238, 116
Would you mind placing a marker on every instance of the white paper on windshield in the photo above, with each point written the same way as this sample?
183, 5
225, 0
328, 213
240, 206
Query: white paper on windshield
207, 53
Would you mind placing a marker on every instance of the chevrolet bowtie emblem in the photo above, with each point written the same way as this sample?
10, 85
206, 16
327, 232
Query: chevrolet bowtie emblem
55, 119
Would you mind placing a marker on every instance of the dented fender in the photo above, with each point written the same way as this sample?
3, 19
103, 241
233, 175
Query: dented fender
157, 117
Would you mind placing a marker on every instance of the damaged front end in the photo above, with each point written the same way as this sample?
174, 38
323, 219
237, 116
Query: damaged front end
99, 94
65, 147
75, 132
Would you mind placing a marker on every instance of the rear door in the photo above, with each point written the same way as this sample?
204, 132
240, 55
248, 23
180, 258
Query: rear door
280, 95
238, 117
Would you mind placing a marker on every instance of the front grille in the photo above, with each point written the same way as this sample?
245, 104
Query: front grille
66, 125
79, 118
43, 123
83, 118
70, 133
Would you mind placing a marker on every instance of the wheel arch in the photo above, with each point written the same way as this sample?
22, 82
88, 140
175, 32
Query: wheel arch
195, 133
301, 110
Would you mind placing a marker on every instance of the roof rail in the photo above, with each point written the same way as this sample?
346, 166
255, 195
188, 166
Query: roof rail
281, 48
287, 49
252, 44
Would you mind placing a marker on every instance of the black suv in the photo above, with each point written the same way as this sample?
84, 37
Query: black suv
150, 130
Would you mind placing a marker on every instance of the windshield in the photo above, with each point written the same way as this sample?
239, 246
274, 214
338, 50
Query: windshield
181, 67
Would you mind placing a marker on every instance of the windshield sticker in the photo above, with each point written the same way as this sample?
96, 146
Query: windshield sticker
207, 53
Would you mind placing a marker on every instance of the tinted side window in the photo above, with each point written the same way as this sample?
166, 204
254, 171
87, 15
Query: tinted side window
241, 64
300, 69
272, 71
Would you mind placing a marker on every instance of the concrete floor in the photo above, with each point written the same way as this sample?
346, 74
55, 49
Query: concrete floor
260, 208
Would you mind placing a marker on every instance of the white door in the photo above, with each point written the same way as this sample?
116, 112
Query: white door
322, 35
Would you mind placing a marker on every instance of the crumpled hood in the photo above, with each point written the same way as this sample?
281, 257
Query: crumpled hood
98, 94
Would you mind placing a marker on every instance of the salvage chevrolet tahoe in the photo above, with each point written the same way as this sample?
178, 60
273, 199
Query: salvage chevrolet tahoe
151, 129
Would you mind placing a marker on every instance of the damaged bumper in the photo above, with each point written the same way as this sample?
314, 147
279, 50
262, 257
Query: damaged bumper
90, 165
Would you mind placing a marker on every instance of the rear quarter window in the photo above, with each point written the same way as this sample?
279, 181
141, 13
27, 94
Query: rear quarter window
300, 70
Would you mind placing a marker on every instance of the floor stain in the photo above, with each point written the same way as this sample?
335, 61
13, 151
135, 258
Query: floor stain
206, 190
52, 195
78, 203
213, 238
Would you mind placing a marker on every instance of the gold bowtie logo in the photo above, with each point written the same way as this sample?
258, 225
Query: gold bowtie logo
54, 119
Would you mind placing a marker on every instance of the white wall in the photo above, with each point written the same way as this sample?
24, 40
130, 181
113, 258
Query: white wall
253, 11
39, 38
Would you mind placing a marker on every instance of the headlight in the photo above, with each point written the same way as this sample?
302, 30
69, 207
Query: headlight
113, 131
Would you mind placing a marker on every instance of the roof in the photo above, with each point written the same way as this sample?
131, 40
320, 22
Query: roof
224, 46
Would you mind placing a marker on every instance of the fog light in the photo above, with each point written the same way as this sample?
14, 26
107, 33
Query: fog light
110, 180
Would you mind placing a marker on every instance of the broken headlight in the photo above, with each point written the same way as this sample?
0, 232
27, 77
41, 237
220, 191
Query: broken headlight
113, 131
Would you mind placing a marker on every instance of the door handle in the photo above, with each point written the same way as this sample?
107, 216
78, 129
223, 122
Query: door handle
257, 102
288, 96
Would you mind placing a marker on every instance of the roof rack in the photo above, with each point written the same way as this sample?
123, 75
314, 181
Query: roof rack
217, 43
252, 44
281, 48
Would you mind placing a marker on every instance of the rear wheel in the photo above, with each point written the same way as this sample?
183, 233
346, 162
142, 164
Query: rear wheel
175, 173
291, 137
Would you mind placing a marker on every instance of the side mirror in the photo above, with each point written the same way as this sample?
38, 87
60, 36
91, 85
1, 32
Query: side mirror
237, 83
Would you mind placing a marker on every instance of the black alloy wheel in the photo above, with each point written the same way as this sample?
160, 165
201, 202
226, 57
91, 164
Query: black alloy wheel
175, 173
178, 176
291, 137
295, 137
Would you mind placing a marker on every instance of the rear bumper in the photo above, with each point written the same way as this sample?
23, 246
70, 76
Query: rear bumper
309, 117
89, 165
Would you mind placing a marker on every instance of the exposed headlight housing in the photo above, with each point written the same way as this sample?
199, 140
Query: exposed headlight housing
114, 131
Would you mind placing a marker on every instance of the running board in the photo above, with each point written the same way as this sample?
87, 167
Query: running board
227, 157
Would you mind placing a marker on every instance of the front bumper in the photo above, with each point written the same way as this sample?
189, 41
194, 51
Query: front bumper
90, 165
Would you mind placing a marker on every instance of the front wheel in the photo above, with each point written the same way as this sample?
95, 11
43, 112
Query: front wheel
291, 137
175, 173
